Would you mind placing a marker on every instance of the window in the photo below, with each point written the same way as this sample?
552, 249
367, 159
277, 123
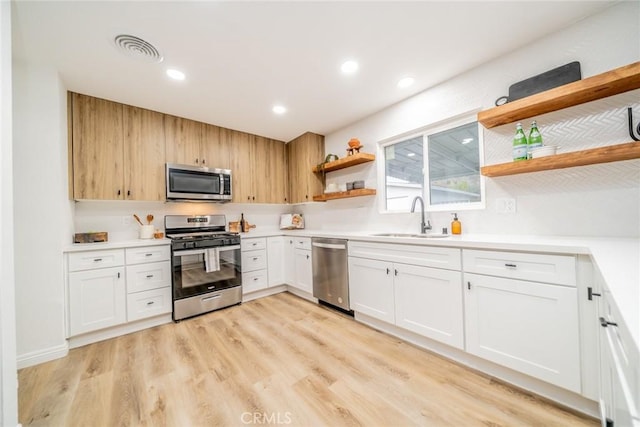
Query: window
442, 165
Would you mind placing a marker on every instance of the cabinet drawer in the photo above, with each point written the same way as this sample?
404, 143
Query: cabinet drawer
557, 269
79, 261
148, 254
148, 303
253, 244
254, 280
144, 277
302, 243
254, 260
425, 256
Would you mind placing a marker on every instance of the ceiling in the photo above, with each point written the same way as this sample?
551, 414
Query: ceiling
241, 58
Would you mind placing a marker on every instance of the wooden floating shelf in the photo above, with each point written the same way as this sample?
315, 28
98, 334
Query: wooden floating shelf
593, 156
344, 194
345, 162
611, 83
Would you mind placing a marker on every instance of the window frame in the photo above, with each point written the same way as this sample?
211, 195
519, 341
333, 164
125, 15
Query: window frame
425, 132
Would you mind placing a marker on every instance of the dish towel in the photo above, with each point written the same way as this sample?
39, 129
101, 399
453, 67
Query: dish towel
212, 260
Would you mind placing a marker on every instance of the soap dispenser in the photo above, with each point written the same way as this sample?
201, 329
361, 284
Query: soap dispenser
456, 225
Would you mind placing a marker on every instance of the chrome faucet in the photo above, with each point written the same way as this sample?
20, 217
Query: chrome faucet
424, 226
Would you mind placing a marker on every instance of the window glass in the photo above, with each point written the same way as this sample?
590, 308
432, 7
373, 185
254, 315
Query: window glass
404, 179
442, 166
454, 166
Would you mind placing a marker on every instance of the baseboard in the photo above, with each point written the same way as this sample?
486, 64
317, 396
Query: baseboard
519, 380
264, 293
302, 294
42, 356
116, 331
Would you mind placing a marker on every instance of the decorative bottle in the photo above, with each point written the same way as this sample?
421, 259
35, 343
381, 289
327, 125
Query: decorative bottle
519, 144
243, 224
535, 138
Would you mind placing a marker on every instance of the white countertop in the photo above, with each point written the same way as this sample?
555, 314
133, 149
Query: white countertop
116, 244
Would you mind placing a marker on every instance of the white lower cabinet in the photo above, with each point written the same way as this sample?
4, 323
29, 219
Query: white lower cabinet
619, 368
303, 276
254, 264
424, 300
371, 288
111, 287
428, 301
289, 256
275, 260
530, 327
97, 299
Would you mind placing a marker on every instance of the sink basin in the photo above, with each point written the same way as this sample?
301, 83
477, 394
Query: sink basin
420, 236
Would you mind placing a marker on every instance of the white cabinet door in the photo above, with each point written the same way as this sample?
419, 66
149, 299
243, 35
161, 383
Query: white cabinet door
428, 301
289, 261
97, 299
304, 272
529, 327
371, 288
275, 260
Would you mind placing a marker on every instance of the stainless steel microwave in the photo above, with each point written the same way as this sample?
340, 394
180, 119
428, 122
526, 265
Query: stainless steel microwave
185, 182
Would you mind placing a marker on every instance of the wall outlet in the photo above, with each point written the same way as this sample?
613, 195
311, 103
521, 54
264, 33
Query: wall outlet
126, 220
505, 205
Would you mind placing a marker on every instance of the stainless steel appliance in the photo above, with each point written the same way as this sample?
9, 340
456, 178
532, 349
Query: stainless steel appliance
185, 182
330, 271
205, 262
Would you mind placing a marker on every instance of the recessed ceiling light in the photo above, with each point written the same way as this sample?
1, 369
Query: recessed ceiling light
467, 140
175, 74
279, 109
405, 82
349, 67
411, 154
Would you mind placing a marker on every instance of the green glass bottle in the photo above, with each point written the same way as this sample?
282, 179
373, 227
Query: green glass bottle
535, 138
519, 144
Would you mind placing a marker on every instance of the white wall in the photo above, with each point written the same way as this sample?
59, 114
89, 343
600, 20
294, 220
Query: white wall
42, 211
8, 368
589, 201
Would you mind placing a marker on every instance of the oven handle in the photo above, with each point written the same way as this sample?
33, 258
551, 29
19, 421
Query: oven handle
228, 248
210, 298
190, 252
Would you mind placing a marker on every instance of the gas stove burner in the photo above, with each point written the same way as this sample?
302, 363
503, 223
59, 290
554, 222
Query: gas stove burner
199, 235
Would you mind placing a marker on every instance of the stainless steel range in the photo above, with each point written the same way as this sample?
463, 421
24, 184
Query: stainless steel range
206, 264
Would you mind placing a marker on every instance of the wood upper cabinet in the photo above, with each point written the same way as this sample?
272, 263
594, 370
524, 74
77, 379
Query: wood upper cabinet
144, 155
270, 170
98, 148
241, 154
215, 148
183, 138
305, 152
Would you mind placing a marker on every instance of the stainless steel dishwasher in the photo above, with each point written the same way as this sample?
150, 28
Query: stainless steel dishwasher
330, 271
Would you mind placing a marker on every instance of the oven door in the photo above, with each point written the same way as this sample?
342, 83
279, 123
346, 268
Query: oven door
198, 271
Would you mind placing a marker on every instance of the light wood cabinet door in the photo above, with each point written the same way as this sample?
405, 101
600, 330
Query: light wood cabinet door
242, 145
183, 138
98, 148
268, 159
215, 149
144, 158
305, 152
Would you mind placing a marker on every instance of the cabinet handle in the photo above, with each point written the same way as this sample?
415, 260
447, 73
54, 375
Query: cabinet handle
118, 274
604, 323
510, 265
253, 197
249, 198
204, 161
148, 254
307, 256
388, 271
149, 276
255, 258
128, 192
196, 161
97, 259
395, 272
469, 285
591, 294
255, 279
254, 244
150, 303
119, 192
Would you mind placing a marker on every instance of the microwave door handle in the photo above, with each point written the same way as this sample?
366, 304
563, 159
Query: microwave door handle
221, 184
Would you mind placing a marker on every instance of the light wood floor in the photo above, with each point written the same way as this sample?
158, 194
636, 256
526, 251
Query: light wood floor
276, 360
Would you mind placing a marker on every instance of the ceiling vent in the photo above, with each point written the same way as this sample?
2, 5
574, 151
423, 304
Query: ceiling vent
135, 47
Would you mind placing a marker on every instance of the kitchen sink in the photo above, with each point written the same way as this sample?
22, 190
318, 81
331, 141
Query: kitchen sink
410, 235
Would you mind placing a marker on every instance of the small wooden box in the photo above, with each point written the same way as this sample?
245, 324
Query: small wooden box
98, 236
